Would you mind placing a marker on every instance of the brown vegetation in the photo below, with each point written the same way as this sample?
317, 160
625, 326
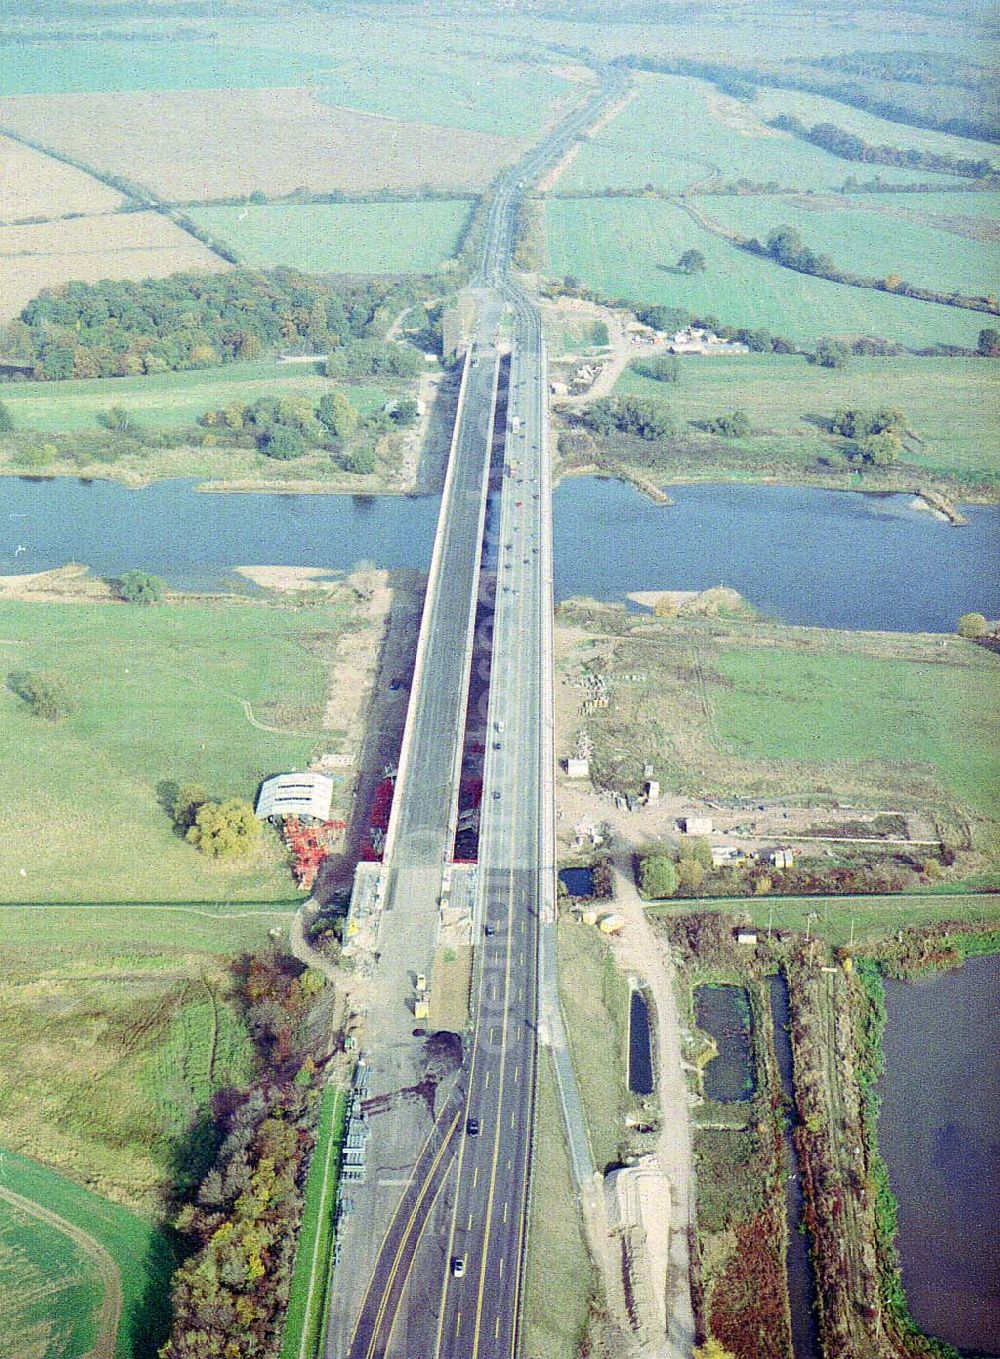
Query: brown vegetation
271, 140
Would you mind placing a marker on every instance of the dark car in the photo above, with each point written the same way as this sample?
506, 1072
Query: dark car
472, 1127
490, 931
496, 796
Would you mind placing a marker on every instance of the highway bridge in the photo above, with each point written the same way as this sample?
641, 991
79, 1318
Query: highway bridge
433, 1261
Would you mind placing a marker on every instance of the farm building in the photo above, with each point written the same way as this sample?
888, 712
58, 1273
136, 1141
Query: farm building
306, 795
781, 858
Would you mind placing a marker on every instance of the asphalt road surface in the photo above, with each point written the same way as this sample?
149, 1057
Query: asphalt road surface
479, 1275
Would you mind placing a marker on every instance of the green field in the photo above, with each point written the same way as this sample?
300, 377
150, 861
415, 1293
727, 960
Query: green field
159, 697
356, 63
340, 238
678, 132
814, 108
841, 920
627, 248
595, 1001
869, 243
933, 206
145, 1257
307, 1303
951, 404
779, 705
49, 1289
169, 400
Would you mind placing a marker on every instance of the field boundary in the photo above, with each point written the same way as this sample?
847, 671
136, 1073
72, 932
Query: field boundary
110, 1310
311, 1275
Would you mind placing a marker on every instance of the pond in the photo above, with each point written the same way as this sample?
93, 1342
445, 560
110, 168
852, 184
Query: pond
724, 1012
939, 1133
640, 1049
807, 556
579, 882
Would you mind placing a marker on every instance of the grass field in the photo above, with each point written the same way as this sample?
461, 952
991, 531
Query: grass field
117, 1028
780, 705
627, 248
761, 711
274, 140
159, 697
869, 243
358, 65
814, 108
49, 1288
120, 245
307, 1303
678, 132
559, 1278
144, 1255
170, 400
951, 404
595, 1002
841, 920
341, 238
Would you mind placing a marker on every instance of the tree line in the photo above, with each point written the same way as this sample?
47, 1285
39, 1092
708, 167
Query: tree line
746, 80
849, 146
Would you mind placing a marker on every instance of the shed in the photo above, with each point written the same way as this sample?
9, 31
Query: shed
697, 825
577, 768
746, 937
781, 858
653, 791
724, 854
307, 795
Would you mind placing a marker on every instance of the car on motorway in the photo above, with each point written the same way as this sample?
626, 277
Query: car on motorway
496, 795
458, 1266
472, 1124
490, 931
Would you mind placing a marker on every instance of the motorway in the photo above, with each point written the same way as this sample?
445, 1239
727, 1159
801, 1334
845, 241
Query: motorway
473, 1311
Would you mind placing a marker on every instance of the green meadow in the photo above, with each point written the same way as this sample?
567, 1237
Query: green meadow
49, 1288
159, 697
170, 400
780, 705
355, 63
870, 243
950, 404
678, 132
628, 248
340, 238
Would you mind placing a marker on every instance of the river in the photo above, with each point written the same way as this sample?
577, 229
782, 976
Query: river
939, 1132
824, 558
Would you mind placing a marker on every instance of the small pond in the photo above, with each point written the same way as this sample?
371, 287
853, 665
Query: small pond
724, 1012
939, 1133
640, 1049
579, 882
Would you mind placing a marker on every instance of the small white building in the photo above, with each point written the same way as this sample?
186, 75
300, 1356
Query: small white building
653, 791
577, 767
746, 937
306, 795
697, 825
781, 858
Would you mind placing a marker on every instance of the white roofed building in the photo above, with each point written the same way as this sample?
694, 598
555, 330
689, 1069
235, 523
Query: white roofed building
306, 795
